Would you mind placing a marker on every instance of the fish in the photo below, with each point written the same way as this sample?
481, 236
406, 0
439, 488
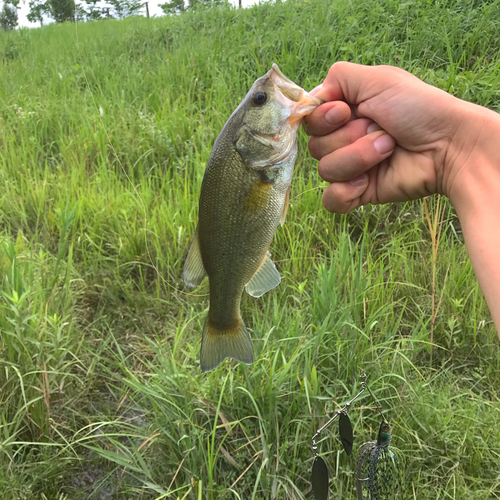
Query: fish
244, 195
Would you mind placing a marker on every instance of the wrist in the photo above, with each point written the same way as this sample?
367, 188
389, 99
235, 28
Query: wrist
474, 190
472, 165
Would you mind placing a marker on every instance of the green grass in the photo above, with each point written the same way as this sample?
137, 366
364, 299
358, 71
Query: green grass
105, 131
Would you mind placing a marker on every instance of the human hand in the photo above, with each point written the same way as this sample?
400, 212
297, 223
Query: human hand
383, 135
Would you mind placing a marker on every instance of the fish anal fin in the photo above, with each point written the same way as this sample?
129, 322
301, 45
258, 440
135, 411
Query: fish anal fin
229, 342
194, 271
285, 207
266, 278
258, 197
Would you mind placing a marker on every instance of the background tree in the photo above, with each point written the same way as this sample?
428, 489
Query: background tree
38, 9
177, 6
62, 10
173, 7
89, 11
59, 10
8, 17
125, 8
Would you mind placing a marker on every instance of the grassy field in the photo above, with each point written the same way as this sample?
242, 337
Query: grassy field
105, 131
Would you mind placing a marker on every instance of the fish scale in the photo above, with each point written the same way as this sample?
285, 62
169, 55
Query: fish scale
220, 241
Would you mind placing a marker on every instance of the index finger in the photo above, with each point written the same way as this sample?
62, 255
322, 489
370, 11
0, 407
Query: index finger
327, 118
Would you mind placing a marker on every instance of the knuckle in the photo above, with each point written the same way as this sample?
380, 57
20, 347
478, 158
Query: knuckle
344, 209
325, 169
329, 201
314, 148
386, 69
337, 68
370, 107
334, 200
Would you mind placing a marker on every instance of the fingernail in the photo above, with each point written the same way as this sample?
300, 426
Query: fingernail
334, 116
373, 127
360, 180
384, 144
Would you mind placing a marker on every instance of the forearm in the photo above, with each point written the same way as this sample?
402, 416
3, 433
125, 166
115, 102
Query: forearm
476, 197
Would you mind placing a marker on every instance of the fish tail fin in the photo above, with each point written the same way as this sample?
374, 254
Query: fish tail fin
220, 343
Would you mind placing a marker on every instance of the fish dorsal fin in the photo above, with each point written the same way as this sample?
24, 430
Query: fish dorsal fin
194, 271
285, 207
266, 278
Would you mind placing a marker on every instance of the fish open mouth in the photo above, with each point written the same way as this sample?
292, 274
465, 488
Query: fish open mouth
303, 102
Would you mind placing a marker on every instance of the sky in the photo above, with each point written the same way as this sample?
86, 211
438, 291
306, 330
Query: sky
154, 10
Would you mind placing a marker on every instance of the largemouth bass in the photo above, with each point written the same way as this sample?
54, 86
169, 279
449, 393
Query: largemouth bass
244, 195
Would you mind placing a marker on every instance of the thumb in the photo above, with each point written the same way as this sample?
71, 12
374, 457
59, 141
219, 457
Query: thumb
354, 83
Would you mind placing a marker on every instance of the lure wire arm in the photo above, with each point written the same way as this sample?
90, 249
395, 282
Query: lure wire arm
345, 409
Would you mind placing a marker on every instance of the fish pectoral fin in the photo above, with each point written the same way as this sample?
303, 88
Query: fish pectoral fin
194, 271
266, 278
220, 343
285, 207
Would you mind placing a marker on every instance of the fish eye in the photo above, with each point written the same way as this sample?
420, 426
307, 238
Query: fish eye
259, 98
